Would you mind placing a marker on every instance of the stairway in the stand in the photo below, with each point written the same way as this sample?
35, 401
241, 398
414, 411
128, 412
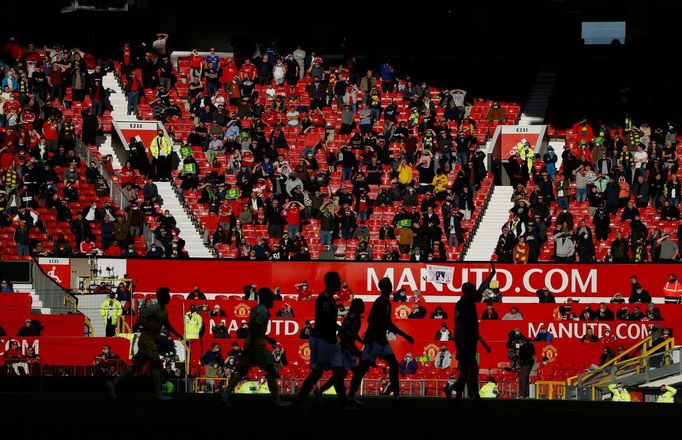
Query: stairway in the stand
118, 101
497, 213
194, 243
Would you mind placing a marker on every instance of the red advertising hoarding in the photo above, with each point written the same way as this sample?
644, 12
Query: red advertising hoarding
515, 281
535, 317
68, 350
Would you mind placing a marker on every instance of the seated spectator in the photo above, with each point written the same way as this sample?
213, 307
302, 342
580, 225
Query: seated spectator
304, 294
653, 313
439, 313
105, 360
443, 334
15, 360
589, 336
640, 296
408, 366
545, 296
307, 331
416, 297
604, 313
449, 387
490, 313
286, 311
400, 296
543, 335
217, 312
418, 312
443, 358
607, 337
513, 315
242, 331
617, 298
31, 327
636, 314
587, 314
196, 293
220, 331
6, 286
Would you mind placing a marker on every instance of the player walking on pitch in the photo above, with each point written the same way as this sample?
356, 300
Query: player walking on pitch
376, 343
256, 352
152, 319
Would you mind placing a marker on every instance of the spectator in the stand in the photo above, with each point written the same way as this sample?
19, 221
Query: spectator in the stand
521, 251
196, 293
408, 366
418, 312
242, 331
653, 313
286, 311
303, 292
6, 286
545, 296
604, 313
31, 328
505, 246
400, 296
490, 313
307, 331
617, 298
439, 313
589, 336
496, 114
639, 295
513, 315
564, 247
443, 358
443, 333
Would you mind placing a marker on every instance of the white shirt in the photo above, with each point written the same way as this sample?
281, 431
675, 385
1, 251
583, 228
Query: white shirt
640, 158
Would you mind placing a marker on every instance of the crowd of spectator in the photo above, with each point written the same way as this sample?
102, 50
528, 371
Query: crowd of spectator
51, 201
313, 151
615, 198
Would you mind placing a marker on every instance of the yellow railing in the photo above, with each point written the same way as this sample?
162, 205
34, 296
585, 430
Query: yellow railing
573, 380
71, 301
122, 326
550, 390
88, 324
624, 362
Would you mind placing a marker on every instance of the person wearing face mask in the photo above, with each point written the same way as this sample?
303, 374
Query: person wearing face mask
619, 392
496, 114
111, 310
408, 366
193, 323
667, 394
443, 358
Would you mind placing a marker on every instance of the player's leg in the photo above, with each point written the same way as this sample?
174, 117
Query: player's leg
319, 359
339, 379
138, 362
273, 385
358, 375
393, 374
472, 383
242, 371
307, 386
464, 372
328, 384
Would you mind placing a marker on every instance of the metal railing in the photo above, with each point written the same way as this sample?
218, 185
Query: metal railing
369, 387
632, 359
107, 171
